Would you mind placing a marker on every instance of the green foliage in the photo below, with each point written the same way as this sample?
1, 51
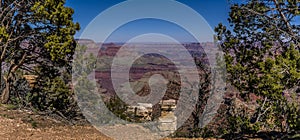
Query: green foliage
262, 57
59, 95
3, 34
118, 107
35, 35
37, 38
241, 124
53, 93
293, 113
33, 123
20, 92
60, 42
11, 106
84, 63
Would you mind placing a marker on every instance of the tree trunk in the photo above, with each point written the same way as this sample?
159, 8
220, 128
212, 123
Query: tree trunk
0, 76
5, 93
8, 81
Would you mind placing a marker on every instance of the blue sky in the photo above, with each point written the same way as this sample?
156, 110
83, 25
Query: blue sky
213, 11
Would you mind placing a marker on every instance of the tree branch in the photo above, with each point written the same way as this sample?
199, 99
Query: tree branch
290, 31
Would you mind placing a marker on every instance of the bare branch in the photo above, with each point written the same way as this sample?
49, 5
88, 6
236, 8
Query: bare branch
288, 25
290, 32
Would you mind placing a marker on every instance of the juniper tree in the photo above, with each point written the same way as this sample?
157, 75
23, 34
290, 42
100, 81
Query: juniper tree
34, 33
262, 56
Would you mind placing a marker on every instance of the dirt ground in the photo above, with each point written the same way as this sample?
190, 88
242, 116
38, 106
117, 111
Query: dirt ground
22, 124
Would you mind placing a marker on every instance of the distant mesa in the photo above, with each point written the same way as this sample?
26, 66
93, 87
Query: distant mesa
143, 67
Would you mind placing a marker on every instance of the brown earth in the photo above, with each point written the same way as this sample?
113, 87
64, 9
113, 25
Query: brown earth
18, 124
22, 124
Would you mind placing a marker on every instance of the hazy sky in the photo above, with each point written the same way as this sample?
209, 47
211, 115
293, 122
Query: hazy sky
213, 11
